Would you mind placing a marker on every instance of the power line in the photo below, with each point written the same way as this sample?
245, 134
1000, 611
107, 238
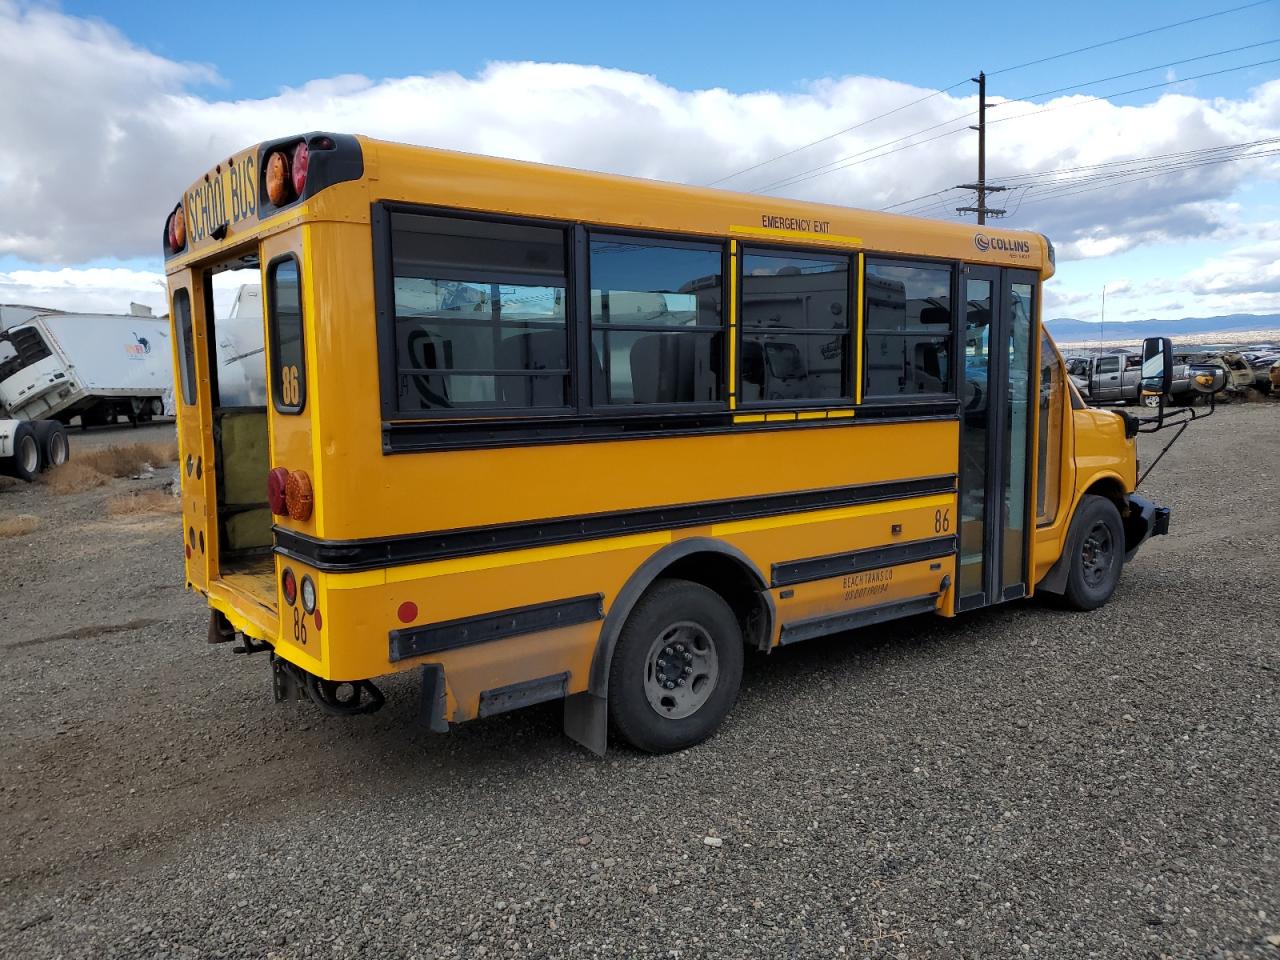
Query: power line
1133, 73
1131, 36
1153, 86
1132, 160
832, 136
1110, 181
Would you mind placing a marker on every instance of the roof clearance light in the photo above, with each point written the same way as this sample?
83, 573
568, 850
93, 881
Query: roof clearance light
301, 161
179, 226
278, 185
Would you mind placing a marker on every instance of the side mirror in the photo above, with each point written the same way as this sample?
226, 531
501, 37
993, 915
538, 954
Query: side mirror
1157, 366
1208, 379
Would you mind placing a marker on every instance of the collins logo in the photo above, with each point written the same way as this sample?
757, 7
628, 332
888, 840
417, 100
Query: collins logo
985, 243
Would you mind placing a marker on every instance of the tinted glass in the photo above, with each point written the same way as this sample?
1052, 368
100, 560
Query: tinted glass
1018, 430
1109, 365
656, 317
908, 330
1052, 400
639, 366
186, 347
976, 399
652, 284
480, 315
794, 293
288, 365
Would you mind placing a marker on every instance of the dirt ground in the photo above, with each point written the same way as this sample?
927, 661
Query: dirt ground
1019, 782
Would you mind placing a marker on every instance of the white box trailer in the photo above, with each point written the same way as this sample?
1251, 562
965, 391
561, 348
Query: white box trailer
95, 366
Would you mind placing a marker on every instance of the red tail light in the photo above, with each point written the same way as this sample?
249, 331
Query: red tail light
289, 586
301, 161
277, 481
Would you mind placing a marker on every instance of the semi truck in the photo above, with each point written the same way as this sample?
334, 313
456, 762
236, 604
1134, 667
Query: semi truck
55, 366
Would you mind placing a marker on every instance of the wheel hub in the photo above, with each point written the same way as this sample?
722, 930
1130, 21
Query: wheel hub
1097, 554
681, 670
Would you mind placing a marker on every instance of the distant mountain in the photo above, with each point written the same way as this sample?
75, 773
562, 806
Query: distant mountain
1067, 330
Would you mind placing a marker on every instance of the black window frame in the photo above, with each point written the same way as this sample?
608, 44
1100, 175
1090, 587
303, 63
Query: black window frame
954, 336
385, 309
273, 338
852, 354
184, 333
587, 329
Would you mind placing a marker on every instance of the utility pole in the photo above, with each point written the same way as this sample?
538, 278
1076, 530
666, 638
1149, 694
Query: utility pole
981, 186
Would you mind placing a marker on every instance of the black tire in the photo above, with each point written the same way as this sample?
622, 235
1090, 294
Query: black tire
693, 614
1095, 548
52, 439
25, 462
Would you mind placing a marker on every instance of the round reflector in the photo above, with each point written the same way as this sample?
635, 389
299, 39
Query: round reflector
278, 181
308, 594
298, 497
301, 161
277, 479
289, 586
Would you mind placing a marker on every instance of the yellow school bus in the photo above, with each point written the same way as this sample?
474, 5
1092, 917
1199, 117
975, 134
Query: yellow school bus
541, 434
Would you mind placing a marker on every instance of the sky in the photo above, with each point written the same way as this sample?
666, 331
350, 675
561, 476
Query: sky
108, 110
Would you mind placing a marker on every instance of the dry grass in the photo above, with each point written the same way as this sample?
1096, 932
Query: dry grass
18, 526
148, 501
128, 460
97, 467
75, 476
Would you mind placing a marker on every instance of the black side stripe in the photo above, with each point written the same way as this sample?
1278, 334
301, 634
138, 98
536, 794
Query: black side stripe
451, 634
856, 561
349, 555
848, 620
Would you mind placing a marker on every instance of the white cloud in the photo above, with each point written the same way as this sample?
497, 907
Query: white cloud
102, 137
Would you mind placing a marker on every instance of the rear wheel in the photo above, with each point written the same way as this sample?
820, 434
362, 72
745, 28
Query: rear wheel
51, 438
25, 462
677, 667
1095, 552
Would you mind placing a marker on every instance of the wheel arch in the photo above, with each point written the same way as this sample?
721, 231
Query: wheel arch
1108, 485
713, 563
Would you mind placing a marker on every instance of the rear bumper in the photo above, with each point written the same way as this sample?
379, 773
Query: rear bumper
1145, 520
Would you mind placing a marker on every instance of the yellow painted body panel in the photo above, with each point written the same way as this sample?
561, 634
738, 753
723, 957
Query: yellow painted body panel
362, 492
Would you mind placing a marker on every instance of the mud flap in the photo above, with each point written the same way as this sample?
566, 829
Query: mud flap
586, 721
432, 699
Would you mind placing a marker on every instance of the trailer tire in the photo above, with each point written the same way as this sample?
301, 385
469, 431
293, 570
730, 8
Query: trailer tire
25, 462
1095, 555
51, 438
704, 667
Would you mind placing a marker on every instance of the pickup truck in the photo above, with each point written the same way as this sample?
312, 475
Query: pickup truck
1117, 378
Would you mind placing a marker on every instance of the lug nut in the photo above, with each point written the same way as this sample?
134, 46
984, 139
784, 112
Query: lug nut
688, 657
661, 662
679, 648
688, 670
668, 651
669, 685
680, 682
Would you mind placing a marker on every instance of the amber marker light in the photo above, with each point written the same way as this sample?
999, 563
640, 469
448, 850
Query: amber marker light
278, 179
298, 496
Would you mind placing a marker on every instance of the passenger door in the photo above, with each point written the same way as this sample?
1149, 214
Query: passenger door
995, 436
1106, 378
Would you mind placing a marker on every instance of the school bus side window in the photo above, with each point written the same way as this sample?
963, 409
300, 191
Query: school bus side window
288, 360
186, 348
908, 330
480, 315
795, 327
657, 325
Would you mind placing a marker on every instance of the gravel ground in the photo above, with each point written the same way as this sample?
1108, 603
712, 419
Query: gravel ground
1020, 782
